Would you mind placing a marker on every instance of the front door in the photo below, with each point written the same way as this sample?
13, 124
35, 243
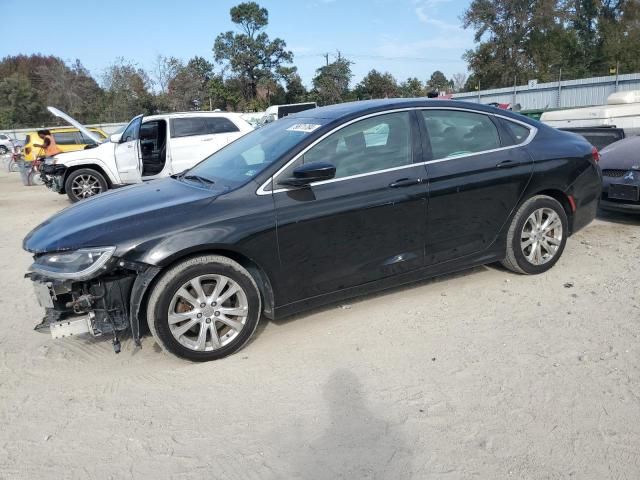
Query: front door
477, 175
127, 153
367, 223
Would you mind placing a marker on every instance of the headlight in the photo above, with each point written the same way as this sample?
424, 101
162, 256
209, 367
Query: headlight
75, 264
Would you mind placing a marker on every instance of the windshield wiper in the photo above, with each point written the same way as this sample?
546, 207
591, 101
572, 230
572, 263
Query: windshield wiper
202, 180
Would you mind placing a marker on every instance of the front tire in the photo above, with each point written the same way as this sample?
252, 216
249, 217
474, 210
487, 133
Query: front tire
84, 183
3, 150
537, 236
204, 308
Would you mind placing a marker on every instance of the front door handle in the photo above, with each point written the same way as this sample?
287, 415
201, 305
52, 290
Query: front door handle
405, 182
508, 164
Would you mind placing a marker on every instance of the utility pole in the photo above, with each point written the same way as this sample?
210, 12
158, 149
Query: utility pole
515, 93
617, 73
559, 87
326, 59
478, 91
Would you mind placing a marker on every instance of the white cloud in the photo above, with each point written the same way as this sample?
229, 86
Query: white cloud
424, 18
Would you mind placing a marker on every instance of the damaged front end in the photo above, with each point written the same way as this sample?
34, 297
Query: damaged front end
89, 291
53, 175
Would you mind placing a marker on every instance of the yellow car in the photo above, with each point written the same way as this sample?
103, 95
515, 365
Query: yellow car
68, 139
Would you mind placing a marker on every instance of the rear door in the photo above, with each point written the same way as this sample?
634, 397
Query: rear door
127, 153
189, 142
478, 171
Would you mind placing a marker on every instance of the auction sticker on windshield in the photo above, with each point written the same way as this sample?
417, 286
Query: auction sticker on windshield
303, 127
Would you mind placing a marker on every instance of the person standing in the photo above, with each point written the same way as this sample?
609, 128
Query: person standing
48, 144
48, 148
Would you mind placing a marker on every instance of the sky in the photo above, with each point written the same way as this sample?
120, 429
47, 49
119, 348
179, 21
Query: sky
408, 38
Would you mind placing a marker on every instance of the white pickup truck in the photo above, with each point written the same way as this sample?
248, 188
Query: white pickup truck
149, 147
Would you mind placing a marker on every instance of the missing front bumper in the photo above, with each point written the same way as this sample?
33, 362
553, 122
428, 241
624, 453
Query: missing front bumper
74, 327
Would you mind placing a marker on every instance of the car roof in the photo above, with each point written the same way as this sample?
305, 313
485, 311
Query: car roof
64, 130
340, 110
160, 116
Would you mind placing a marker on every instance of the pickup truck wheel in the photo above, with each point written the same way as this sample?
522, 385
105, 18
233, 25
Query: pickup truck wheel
84, 183
204, 308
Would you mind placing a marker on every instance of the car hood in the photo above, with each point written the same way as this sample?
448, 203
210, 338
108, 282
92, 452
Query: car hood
72, 121
123, 218
623, 154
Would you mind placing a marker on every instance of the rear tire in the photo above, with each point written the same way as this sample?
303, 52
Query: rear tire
84, 183
193, 313
537, 236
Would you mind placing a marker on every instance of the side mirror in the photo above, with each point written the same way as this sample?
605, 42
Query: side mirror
115, 138
310, 173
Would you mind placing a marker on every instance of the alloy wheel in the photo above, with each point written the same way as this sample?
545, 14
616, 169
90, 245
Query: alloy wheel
85, 186
541, 236
208, 312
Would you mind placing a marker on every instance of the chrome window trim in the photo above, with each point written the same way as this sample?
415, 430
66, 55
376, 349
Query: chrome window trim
532, 133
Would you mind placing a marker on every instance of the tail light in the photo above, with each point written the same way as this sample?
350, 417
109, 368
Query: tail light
595, 154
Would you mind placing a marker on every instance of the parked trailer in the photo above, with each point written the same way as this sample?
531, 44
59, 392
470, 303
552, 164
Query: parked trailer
621, 111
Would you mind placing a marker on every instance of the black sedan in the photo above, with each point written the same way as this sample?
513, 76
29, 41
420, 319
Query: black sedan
316, 207
621, 176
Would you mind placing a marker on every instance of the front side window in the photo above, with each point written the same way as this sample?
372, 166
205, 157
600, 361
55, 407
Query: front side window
188, 127
367, 146
453, 133
132, 131
65, 138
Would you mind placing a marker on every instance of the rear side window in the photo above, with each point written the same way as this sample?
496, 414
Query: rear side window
518, 133
453, 133
188, 127
220, 125
66, 138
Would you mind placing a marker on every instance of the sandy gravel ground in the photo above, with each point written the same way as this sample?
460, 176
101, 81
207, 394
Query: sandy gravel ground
484, 374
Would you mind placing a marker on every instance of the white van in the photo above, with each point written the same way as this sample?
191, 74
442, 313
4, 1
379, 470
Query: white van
622, 111
149, 147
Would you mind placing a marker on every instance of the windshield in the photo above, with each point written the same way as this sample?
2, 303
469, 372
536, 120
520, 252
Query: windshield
243, 159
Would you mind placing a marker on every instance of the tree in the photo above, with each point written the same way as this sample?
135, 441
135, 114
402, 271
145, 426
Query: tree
438, 82
459, 80
412, 87
19, 102
251, 55
189, 89
126, 91
377, 85
331, 83
164, 72
521, 40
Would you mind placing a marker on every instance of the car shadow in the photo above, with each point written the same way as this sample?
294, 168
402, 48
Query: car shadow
618, 217
380, 294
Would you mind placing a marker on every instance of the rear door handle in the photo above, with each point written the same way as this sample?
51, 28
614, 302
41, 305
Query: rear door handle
405, 182
507, 164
